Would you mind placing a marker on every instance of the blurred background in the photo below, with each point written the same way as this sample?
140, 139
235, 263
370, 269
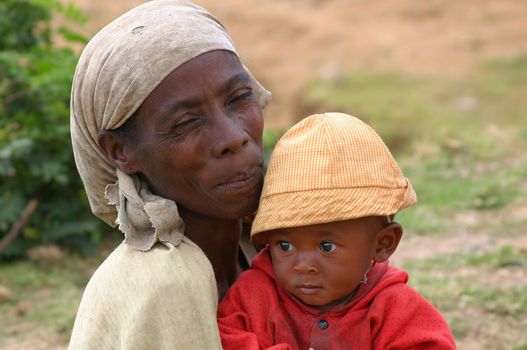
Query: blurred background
444, 82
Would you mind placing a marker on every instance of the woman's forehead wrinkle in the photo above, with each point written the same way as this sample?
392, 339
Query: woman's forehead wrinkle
196, 99
240, 78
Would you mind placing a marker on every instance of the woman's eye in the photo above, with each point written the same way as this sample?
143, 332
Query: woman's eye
285, 246
328, 246
241, 96
181, 124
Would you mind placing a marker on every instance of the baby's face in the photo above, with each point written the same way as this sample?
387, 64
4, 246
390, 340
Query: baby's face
322, 264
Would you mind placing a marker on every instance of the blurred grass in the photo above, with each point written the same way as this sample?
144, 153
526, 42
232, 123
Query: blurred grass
447, 279
45, 294
406, 109
466, 288
460, 141
51, 306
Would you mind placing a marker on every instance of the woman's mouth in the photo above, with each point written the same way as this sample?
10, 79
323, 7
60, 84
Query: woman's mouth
244, 179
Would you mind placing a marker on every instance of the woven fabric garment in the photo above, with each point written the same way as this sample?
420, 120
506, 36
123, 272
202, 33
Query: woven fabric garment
117, 70
163, 299
330, 167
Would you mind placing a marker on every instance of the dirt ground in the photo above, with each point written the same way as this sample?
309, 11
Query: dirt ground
288, 42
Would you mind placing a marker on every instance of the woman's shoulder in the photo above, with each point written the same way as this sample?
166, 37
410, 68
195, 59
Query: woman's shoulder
148, 297
163, 265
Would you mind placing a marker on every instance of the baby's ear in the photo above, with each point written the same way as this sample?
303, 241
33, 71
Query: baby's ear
386, 241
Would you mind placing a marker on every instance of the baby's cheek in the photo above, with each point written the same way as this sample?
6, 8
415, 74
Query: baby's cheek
283, 273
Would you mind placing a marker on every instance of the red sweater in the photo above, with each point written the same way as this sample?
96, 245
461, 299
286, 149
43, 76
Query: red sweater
385, 313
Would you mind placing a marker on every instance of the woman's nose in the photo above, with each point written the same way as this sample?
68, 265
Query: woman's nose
305, 263
230, 135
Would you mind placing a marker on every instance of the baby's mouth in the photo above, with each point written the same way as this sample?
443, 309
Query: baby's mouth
308, 289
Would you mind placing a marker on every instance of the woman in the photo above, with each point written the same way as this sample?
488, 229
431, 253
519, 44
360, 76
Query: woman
166, 127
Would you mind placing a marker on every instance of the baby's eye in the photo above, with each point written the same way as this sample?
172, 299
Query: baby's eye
285, 246
328, 246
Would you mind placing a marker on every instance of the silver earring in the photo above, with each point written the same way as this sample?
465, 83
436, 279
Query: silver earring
364, 279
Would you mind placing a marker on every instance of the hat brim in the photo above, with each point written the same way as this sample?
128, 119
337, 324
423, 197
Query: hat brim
301, 208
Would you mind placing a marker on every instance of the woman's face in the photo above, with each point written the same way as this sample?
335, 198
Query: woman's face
199, 138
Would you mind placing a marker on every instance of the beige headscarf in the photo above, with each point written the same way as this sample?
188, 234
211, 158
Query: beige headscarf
117, 70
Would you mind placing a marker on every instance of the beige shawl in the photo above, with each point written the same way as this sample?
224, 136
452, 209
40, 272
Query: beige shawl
157, 290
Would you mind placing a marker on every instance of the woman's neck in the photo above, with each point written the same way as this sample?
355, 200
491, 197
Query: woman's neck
219, 240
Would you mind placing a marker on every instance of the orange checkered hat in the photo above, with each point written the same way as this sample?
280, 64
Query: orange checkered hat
330, 167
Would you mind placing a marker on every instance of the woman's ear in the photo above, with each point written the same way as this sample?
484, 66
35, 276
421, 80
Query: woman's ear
386, 241
118, 152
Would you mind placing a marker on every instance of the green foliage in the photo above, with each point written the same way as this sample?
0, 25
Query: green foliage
36, 159
18, 21
270, 138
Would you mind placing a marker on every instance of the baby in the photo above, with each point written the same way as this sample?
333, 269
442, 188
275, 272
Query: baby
323, 280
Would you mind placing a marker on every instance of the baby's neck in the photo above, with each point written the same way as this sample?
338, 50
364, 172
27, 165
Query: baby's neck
337, 303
